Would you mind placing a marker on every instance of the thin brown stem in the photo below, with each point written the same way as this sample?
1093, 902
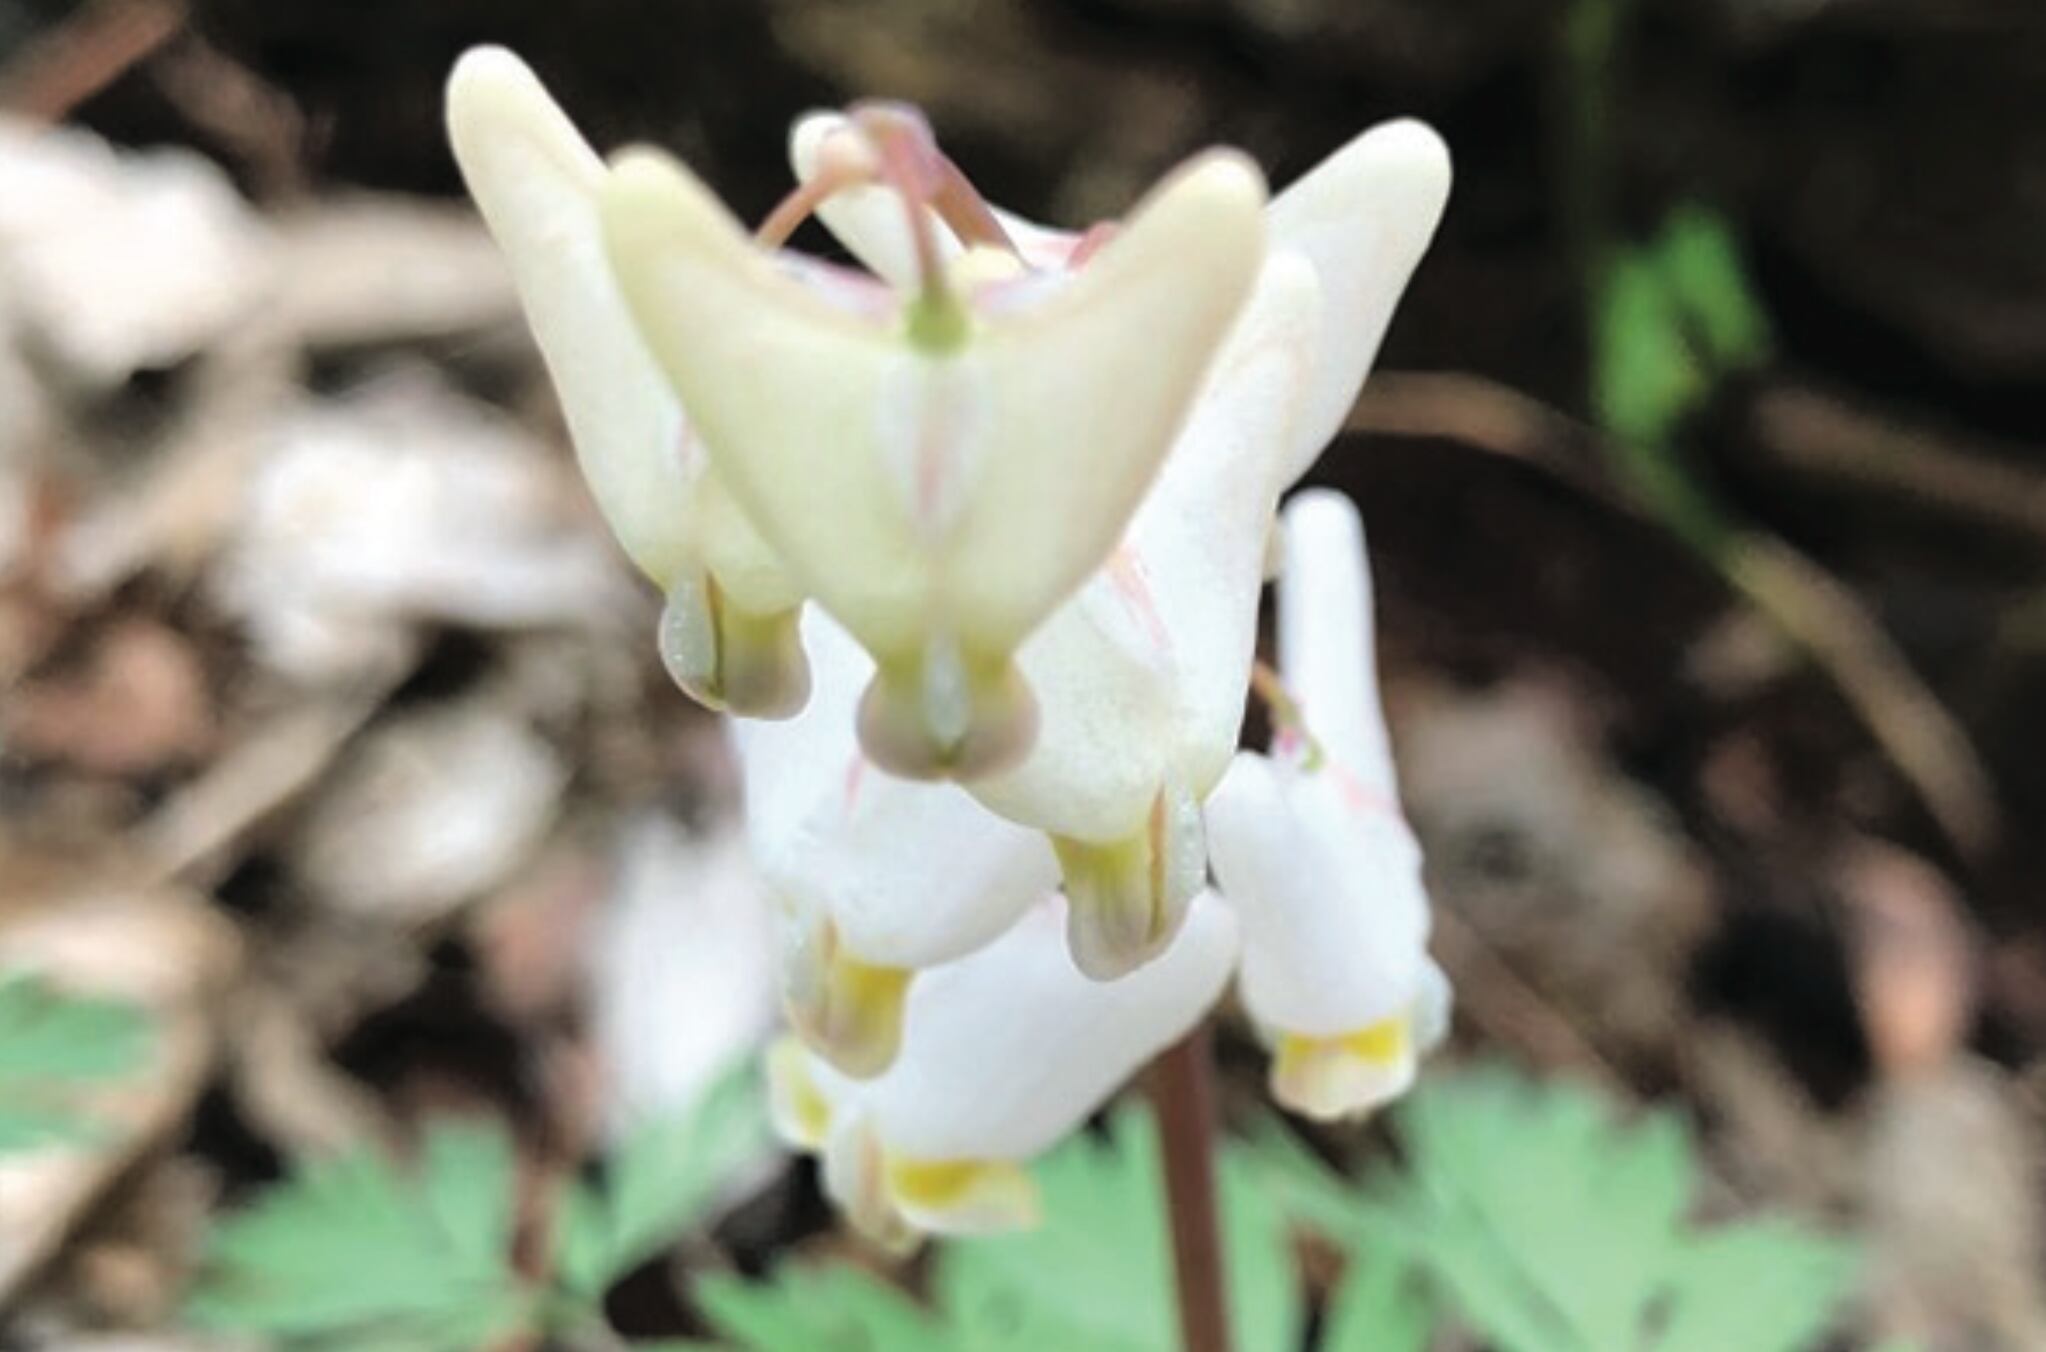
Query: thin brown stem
1182, 1092
794, 209
1289, 727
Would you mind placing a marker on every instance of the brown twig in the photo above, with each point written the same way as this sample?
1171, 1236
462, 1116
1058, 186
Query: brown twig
66, 65
1922, 739
1183, 1095
253, 119
1815, 434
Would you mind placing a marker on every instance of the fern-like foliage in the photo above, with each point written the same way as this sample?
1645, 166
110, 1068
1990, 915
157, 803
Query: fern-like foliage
1546, 1224
1096, 1277
361, 1253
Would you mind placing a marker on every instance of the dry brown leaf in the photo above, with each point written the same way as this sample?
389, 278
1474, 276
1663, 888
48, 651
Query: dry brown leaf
137, 703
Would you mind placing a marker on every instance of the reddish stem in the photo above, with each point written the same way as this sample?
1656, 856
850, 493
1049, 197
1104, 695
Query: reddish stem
1182, 1092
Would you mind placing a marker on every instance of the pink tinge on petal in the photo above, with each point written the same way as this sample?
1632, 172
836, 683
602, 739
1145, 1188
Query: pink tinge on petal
1127, 576
1087, 245
1377, 808
689, 450
850, 290
855, 778
1362, 799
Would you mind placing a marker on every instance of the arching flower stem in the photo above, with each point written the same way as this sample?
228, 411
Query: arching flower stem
890, 143
1289, 725
1182, 1091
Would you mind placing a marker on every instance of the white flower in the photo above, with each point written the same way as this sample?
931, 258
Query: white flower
1004, 1053
680, 967
876, 876
1141, 677
939, 466
729, 633
1362, 218
1311, 849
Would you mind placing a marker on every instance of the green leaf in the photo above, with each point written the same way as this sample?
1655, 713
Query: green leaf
660, 1182
1765, 1287
818, 1309
354, 1252
1701, 265
1304, 1189
1645, 378
1378, 1308
52, 1045
1095, 1277
1551, 1226
1099, 1269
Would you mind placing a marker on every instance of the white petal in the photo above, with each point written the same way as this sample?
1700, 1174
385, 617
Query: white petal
911, 873
869, 221
682, 970
535, 181
1101, 378
1325, 882
1327, 646
729, 637
1141, 677
1030, 444
1008, 1050
1363, 217
1201, 534
1105, 734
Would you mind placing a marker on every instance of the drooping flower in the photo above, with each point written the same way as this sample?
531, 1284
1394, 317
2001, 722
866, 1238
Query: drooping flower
1361, 218
1004, 1053
1141, 677
942, 463
876, 877
729, 630
1310, 848
1143, 674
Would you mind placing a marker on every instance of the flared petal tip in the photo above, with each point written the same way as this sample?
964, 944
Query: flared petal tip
1418, 151
490, 91
807, 135
797, 1106
950, 720
485, 70
731, 660
654, 208
1339, 1078
1218, 183
848, 1012
1126, 899
964, 1197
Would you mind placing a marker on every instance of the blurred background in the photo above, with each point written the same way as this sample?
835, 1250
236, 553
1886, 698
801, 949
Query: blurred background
1705, 475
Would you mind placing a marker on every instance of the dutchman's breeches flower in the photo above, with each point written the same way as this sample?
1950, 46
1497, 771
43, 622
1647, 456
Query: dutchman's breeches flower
1141, 677
729, 631
940, 466
877, 876
1003, 1053
1310, 848
1028, 479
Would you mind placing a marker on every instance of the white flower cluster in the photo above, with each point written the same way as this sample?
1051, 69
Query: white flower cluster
971, 546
